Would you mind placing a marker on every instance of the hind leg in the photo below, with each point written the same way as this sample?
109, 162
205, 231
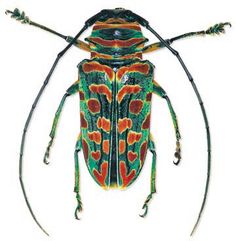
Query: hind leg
78, 148
153, 177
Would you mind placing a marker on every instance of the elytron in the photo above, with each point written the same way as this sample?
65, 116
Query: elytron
115, 87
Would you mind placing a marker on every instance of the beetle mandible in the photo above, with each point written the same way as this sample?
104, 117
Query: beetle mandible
115, 87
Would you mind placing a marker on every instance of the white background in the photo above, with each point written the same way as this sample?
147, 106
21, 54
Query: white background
27, 53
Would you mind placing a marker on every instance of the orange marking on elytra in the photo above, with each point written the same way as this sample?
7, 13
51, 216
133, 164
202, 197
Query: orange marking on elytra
96, 155
83, 121
81, 95
135, 106
146, 122
143, 152
133, 137
124, 124
101, 176
101, 89
95, 136
94, 105
103, 123
95, 66
127, 89
126, 177
132, 156
138, 67
121, 146
106, 146
149, 96
85, 149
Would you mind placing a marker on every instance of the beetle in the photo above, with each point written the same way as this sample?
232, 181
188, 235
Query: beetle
115, 87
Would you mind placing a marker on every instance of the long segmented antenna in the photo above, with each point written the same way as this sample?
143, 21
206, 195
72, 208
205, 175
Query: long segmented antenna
145, 23
216, 29
22, 17
173, 51
29, 119
89, 22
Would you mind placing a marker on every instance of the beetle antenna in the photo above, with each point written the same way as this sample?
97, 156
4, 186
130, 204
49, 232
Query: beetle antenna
29, 206
60, 54
173, 51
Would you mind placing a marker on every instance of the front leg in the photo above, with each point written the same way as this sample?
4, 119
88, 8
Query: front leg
20, 16
157, 89
216, 29
70, 91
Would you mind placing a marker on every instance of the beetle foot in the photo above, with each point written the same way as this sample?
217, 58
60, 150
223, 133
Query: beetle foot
18, 15
177, 153
145, 207
79, 207
218, 28
47, 153
45, 159
77, 211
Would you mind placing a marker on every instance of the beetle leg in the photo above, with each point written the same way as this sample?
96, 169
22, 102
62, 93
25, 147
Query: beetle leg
153, 178
20, 16
157, 89
72, 90
87, 24
216, 29
54, 127
204, 114
77, 177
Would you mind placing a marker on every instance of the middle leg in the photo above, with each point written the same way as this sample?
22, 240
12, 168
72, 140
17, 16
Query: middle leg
78, 148
158, 90
73, 89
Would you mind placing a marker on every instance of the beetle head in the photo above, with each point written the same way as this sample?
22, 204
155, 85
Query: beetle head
117, 13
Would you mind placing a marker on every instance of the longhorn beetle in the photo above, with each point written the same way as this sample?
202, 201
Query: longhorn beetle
115, 87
